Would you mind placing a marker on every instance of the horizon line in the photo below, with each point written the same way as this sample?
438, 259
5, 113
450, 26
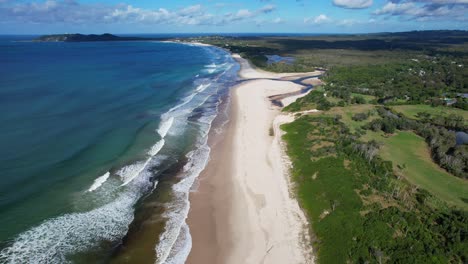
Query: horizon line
224, 33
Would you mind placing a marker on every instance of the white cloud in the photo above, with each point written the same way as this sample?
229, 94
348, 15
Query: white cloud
443, 2
324, 19
130, 13
74, 12
68, 11
353, 4
320, 19
348, 22
220, 5
243, 14
190, 10
424, 12
398, 9
278, 20
267, 9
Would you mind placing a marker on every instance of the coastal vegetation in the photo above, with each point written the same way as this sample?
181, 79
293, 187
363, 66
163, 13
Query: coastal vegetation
411, 159
433, 81
378, 170
363, 207
439, 115
382, 181
328, 51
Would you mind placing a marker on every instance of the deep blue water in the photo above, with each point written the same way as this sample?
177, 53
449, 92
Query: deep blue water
81, 126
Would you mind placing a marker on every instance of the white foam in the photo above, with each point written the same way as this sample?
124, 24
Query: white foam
56, 239
185, 101
175, 242
202, 87
165, 126
156, 148
98, 182
177, 211
211, 68
132, 171
181, 248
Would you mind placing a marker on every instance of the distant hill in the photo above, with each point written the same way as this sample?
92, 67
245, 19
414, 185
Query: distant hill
85, 38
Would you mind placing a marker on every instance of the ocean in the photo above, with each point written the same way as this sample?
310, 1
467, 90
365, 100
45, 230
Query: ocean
100, 144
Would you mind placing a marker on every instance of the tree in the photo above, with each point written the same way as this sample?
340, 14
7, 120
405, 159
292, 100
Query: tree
388, 126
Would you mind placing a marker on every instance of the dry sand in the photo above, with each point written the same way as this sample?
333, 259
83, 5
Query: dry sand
243, 211
291, 99
312, 81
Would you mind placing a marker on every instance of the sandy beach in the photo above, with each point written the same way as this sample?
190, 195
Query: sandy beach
243, 210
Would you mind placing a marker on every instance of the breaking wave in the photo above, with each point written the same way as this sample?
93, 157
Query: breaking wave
99, 181
55, 240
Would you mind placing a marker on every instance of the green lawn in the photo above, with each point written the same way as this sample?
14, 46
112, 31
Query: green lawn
411, 151
412, 110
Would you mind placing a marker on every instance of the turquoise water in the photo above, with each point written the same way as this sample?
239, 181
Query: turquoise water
86, 127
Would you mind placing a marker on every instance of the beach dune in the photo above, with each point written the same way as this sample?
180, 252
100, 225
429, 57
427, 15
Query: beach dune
244, 210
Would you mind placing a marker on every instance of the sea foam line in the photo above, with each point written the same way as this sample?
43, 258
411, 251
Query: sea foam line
186, 100
99, 181
183, 245
171, 241
202, 87
55, 240
175, 242
130, 172
156, 148
165, 126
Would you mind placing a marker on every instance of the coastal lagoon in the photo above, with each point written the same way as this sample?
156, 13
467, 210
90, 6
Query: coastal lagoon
93, 131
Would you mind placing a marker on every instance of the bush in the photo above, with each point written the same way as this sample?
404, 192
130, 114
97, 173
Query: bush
360, 116
358, 100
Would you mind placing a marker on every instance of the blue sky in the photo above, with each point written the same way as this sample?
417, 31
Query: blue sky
219, 16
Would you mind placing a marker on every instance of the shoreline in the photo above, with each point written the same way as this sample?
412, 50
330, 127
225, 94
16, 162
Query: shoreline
243, 210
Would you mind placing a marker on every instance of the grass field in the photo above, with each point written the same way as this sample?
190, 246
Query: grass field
412, 110
410, 152
351, 208
333, 100
366, 96
347, 113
